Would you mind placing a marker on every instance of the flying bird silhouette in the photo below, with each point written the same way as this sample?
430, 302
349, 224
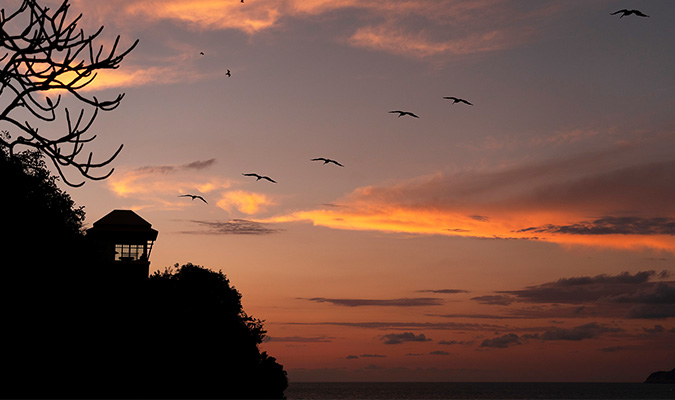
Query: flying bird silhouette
201, 53
259, 177
402, 113
327, 160
457, 100
194, 196
228, 73
625, 13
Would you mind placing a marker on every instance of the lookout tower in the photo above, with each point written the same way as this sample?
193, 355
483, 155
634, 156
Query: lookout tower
124, 241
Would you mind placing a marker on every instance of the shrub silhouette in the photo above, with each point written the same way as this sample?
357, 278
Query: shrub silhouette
70, 329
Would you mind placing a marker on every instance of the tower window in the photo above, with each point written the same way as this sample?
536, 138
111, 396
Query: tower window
130, 252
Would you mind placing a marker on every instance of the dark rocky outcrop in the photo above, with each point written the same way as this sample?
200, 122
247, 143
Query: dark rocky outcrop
662, 377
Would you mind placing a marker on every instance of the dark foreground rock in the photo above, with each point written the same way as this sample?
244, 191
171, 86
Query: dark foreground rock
662, 377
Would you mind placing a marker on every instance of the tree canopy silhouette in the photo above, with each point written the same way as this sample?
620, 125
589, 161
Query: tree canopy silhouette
41, 223
208, 323
72, 329
43, 54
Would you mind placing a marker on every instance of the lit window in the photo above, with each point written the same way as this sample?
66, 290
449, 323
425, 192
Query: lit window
129, 252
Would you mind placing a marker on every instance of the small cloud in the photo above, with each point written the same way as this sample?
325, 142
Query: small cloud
501, 342
398, 338
200, 164
243, 201
439, 353
352, 357
372, 356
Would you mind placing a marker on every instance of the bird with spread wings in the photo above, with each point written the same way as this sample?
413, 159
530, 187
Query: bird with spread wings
626, 12
457, 100
194, 196
259, 177
327, 160
402, 113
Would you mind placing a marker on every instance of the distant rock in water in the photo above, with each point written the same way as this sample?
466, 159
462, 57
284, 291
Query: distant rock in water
662, 377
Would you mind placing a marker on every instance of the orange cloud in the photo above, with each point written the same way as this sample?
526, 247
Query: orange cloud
415, 28
557, 202
130, 76
159, 186
245, 202
210, 14
395, 40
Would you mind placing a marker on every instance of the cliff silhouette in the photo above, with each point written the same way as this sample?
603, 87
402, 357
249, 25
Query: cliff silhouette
74, 328
661, 377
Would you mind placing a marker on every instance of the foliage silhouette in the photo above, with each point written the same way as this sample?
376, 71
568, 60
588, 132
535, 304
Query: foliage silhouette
72, 329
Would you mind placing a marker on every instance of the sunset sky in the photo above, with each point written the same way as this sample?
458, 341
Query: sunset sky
527, 237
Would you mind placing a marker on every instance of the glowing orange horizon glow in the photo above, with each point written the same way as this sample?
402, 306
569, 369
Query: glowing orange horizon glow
435, 222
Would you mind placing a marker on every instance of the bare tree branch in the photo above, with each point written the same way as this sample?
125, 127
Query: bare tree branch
49, 55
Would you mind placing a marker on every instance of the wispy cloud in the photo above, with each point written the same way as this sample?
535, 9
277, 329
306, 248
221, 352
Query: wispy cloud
299, 339
531, 202
232, 227
456, 342
194, 14
354, 357
443, 291
584, 289
625, 295
581, 332
408, 28
612, 226
537, 311
496, 299
386, 325
402, 302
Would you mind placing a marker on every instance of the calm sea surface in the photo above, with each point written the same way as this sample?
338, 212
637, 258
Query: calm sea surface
475, 390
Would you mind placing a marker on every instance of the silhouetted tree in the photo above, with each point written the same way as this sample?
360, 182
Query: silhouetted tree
42, 259
70, 329
213, 349
42, 53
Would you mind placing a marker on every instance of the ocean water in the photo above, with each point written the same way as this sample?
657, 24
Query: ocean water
477, 390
